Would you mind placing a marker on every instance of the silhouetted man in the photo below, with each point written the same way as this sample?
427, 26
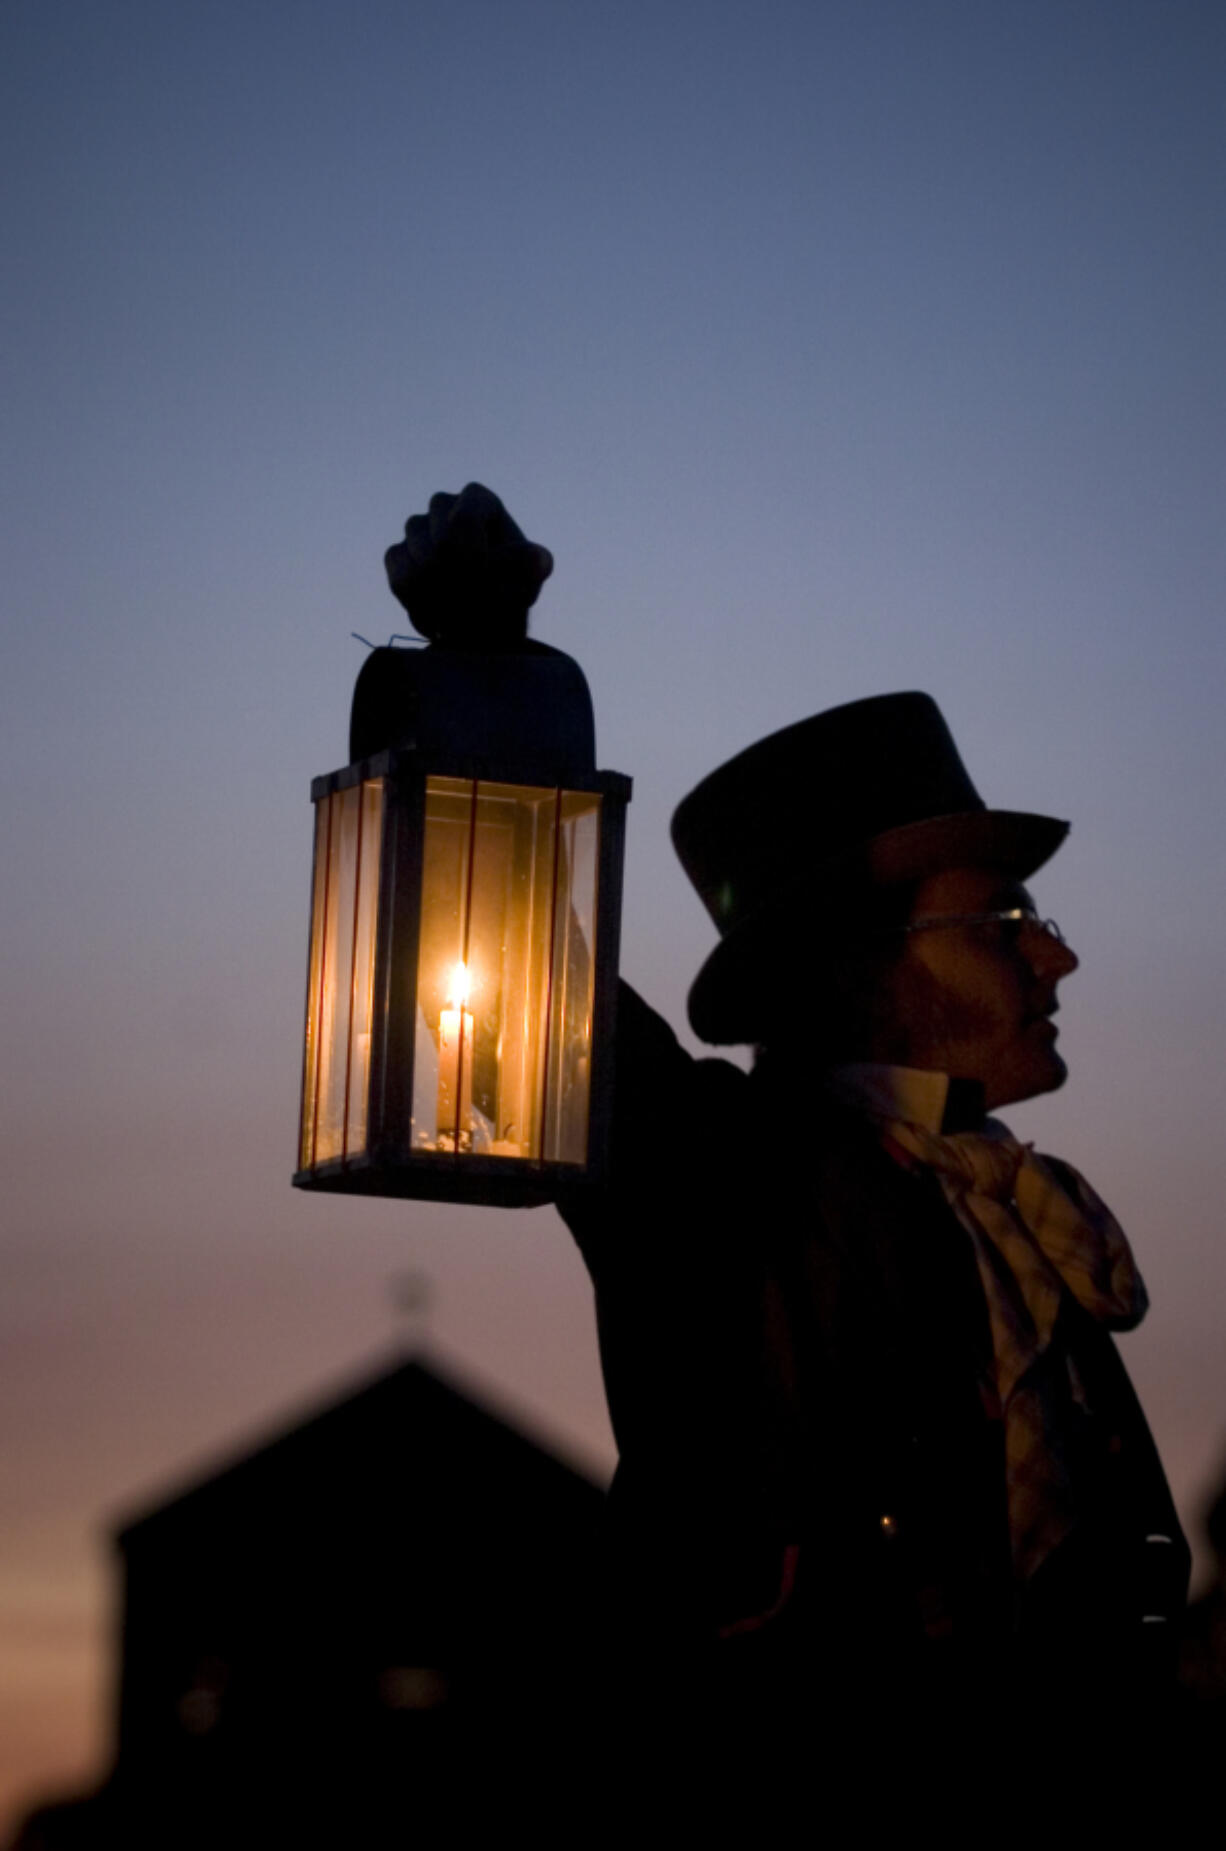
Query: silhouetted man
882, 1472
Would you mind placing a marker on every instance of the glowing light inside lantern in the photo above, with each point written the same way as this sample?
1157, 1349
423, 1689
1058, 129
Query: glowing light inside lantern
455, 1058
505, 971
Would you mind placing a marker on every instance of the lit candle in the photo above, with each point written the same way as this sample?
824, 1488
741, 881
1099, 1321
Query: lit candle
455, 1058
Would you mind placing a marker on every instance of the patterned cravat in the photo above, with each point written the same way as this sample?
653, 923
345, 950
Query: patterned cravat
1034, 1239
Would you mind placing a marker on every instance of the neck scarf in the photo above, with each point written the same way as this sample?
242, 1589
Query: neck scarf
1036, 1238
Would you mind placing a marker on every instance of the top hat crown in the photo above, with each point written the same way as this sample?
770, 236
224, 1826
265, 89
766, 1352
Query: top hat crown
864, 796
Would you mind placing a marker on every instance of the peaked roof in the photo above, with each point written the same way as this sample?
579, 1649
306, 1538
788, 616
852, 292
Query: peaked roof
407, 1426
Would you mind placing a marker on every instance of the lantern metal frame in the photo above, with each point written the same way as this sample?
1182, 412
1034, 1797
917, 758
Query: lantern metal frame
389, 1163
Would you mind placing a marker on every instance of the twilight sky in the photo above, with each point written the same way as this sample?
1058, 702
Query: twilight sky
833, 348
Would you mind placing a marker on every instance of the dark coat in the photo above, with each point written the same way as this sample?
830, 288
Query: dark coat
810, 1509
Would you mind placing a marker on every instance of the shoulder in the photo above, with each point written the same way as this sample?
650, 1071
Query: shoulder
649, 1048
672, 1110
679, 1140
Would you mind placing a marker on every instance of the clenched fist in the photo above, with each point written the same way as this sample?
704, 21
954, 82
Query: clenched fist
465, 573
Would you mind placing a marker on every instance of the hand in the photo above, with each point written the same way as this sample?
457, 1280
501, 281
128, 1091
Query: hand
465, 572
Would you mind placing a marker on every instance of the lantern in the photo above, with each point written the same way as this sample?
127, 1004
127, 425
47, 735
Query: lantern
464, 933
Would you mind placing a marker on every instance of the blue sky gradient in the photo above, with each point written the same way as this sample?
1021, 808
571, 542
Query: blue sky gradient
832, 348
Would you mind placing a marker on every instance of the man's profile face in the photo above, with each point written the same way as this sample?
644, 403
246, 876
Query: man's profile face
976, 1001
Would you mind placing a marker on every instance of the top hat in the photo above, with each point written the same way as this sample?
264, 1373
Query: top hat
860, 798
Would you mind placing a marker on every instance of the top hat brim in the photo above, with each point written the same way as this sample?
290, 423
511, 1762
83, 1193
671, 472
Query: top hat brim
724, 1006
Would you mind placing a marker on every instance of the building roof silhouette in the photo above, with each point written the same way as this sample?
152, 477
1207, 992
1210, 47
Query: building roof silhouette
367, 1598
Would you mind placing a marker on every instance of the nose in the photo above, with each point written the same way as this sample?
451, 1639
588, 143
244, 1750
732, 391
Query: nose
1050, 955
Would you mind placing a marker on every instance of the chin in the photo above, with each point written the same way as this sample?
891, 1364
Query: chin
1046, 1079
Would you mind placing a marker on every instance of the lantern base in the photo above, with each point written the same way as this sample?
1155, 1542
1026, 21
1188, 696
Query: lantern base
490, 1182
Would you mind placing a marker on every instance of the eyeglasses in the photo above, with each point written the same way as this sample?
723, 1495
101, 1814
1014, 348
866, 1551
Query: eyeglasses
1012, 921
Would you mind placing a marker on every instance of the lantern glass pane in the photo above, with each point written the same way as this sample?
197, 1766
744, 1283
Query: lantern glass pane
365, 923
336, 1080
573, 980
505, 972
310, 1056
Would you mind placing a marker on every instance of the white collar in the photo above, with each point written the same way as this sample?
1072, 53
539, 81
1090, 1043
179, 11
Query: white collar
911, 1093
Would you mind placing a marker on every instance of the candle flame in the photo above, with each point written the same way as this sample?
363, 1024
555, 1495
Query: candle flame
457, 996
